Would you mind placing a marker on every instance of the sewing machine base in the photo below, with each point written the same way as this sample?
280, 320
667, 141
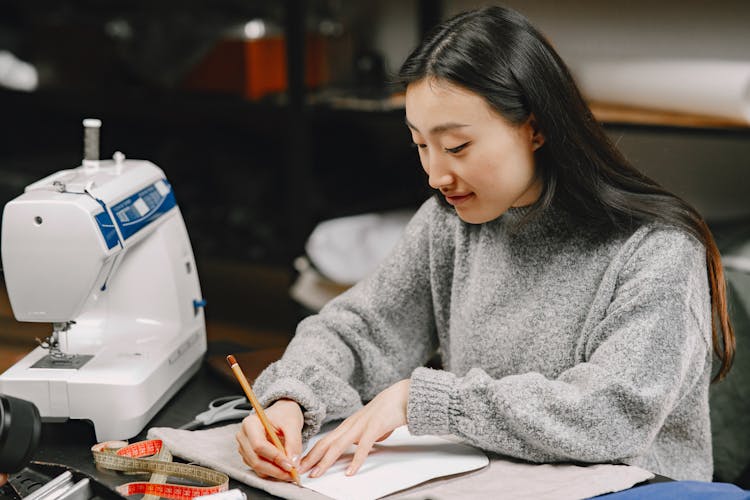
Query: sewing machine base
68, 363
119, 389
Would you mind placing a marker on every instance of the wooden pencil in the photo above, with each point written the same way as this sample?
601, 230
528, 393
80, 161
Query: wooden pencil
270, 430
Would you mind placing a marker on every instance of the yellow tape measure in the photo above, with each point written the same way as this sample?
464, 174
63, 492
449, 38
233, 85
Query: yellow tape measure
120, 456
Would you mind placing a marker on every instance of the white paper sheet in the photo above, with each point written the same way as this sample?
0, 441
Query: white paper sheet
397, 463
705, 87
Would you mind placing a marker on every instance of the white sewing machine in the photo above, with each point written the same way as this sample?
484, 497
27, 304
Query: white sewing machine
102, 253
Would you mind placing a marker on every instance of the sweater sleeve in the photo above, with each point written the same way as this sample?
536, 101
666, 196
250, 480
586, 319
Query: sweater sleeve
364, 340
649, 349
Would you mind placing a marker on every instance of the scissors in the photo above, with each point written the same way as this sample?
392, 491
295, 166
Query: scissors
220, 409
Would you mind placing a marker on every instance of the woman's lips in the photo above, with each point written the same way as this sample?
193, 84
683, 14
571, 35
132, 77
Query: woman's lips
456, 200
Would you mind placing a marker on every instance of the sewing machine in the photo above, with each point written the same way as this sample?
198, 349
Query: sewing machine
102, 253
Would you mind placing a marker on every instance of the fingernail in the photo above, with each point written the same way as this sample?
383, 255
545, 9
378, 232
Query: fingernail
295, 460
286, 465
350, 471
314, 472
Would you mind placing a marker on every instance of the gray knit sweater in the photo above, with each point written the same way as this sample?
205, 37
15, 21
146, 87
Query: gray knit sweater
559, 344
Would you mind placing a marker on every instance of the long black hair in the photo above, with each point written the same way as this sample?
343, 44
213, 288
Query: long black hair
496, 53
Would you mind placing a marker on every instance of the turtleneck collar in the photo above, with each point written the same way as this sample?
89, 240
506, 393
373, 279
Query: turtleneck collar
552, 220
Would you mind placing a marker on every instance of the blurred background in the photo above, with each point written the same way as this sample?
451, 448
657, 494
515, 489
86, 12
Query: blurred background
269, 117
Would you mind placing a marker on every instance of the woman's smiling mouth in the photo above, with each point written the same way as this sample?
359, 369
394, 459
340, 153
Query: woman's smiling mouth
458, 199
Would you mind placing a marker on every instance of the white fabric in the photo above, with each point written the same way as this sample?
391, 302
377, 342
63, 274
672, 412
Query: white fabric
16, 74
217, 448
346, 249
312, 289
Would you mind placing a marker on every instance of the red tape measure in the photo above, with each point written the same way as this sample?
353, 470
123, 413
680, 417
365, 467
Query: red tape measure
120, 456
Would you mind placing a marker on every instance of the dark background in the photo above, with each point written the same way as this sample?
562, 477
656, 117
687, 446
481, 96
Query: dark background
253, 177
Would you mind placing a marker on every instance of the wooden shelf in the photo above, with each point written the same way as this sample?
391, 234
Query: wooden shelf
614, 113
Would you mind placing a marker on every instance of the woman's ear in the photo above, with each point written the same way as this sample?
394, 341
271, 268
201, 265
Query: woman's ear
537, 137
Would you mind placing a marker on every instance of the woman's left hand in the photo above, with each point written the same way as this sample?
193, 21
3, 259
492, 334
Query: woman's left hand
373, 423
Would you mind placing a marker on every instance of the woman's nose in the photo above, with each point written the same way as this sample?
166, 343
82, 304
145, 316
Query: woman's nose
440, 182
439, 174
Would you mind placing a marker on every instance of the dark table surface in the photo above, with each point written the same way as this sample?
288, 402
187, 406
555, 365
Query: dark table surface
69, 443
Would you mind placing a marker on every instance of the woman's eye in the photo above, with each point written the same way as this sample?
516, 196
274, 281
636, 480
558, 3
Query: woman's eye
418, 145
457, 149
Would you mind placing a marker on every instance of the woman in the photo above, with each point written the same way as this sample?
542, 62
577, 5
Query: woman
575, 303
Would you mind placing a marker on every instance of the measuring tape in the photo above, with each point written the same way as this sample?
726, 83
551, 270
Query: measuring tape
120, 456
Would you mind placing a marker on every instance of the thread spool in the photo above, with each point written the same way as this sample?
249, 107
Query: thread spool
91, 128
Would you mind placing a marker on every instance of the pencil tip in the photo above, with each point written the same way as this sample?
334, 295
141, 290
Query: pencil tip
231, 360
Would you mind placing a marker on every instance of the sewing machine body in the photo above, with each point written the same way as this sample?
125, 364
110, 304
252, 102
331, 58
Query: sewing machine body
101, 251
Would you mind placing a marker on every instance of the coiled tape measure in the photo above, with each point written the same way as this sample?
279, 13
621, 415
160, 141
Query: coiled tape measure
124, 457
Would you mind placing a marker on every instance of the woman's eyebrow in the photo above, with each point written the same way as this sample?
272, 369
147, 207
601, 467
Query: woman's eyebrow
437, 129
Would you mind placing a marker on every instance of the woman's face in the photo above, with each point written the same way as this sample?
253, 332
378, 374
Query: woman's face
480, 162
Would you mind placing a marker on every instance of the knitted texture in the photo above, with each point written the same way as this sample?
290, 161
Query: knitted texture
559, 343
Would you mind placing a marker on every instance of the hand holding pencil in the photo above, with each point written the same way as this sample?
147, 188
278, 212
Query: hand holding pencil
260, 440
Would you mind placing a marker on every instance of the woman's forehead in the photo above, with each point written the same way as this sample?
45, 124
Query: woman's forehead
432, 101
441, 88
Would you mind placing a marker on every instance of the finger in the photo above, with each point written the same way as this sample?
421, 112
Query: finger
265, 449
267, 469
293, 445
261, 467
332, 454
314, 455
335, 450
363, 450
321, 447
245, 449
384, 436
320, 450
275, 456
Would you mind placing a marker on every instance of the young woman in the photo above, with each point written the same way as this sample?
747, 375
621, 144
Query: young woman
576, 304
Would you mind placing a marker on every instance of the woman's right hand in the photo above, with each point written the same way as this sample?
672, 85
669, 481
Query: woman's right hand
259, 452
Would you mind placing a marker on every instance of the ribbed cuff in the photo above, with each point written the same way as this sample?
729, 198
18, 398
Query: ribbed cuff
313, 410
428, 407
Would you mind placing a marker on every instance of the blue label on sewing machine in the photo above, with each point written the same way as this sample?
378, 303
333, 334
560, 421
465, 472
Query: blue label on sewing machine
136, 211
108, 229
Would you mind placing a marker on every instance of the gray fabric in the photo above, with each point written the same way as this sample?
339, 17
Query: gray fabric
524, 481
559, 343
217, 448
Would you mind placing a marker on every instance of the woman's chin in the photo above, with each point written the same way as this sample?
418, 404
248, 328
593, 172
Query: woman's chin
472, 216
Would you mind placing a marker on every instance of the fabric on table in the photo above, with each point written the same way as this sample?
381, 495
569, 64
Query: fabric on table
217, 448
525, 481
